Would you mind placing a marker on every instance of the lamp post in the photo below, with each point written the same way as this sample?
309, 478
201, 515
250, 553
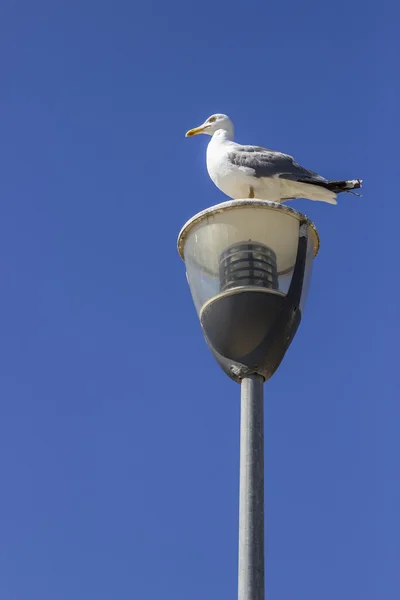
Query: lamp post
248, 265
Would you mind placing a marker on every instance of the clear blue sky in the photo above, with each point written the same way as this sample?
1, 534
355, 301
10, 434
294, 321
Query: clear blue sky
118, 432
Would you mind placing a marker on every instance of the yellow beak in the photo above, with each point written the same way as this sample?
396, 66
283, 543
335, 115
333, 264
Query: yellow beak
196, 130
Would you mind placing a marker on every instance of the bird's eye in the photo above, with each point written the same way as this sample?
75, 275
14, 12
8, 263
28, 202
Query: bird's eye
212, 119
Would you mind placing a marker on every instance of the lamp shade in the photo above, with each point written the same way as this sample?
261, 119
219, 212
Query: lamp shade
241, 257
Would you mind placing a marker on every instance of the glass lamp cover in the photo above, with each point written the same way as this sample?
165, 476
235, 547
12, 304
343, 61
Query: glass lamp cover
238, 238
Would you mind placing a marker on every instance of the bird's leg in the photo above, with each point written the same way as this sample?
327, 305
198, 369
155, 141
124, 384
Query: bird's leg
251, 194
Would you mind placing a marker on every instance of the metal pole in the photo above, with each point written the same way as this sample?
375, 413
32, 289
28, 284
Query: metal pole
251, 501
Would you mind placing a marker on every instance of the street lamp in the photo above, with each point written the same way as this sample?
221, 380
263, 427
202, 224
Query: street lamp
248, 265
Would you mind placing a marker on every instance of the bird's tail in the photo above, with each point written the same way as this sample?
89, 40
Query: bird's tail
344, 186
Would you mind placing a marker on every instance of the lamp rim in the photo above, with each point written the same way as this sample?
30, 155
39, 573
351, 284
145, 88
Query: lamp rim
240, 203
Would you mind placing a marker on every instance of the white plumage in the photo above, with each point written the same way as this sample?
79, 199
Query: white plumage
255, 172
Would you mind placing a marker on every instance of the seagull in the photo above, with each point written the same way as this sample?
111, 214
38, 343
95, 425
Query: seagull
256, 172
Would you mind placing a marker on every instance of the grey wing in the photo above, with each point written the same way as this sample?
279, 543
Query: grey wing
267, 163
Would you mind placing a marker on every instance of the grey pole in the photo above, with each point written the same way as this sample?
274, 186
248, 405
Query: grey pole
251, 501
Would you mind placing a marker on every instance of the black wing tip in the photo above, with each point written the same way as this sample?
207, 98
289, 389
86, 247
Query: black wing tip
354, 184
344, 186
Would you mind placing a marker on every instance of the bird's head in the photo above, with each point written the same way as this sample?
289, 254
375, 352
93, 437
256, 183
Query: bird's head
213, 124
